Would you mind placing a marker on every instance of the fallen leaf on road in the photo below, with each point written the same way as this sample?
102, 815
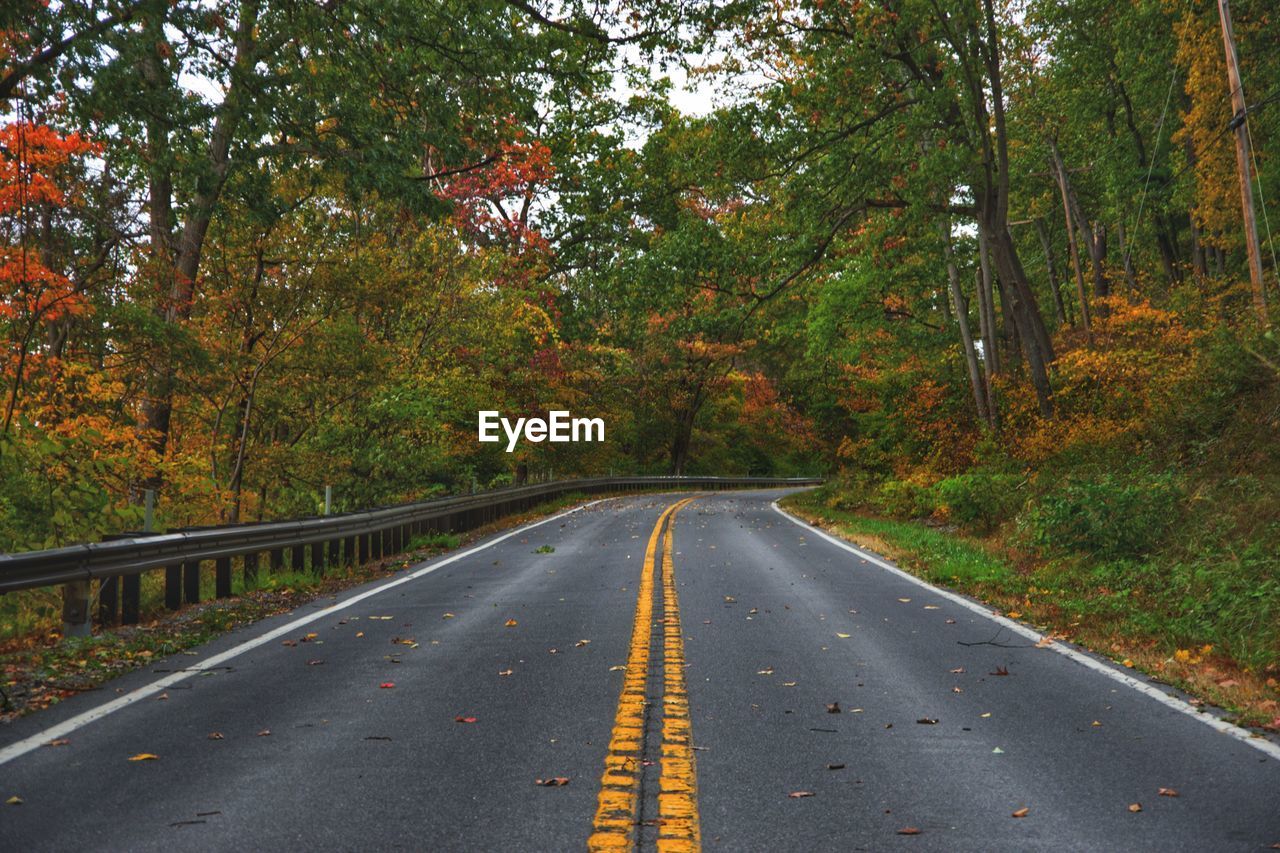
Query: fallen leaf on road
309, 637
289, 643
842, 636
505, 672
835, 766
316, 662
958, 670
984, 716
1022, 812
383, 618
553, 782
265, 733
927, 721
1096, 724
58, 742
511, 623
464, 719
904, 600
447, 616
957, 690
951, 621
15, 800
144, 756
216, 736
1013, 614
833, 708
796, 795
1000, 670
729, 599
387, 685
617, 668
788, 684
1167, 792
997, 751
1044, 643
581, 643
1135, 807
908, 830
768, 671
359, 634
163, 697
931, 607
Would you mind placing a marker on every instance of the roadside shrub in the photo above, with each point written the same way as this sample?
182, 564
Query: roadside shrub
1112, 517
980, 500
903, 499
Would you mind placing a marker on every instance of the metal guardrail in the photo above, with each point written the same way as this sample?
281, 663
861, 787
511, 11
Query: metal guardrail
353, 537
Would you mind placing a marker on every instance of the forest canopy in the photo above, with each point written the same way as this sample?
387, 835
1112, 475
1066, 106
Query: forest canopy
966, 258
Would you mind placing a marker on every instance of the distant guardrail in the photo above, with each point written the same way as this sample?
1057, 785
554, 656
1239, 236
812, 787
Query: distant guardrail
299, 544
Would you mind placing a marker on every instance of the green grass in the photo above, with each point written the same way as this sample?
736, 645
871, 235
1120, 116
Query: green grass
436, 542
939, 557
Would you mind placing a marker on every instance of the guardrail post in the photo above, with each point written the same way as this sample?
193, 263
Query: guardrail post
362, 549
375, 541
250, 569
75, 609
108, 600
130, 599
299, 558
222, 577
350, 551
191, 582
335, 553
317, 558
276, 559
173, 587
131, 585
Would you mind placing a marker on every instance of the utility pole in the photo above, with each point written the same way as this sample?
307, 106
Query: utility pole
1239, 114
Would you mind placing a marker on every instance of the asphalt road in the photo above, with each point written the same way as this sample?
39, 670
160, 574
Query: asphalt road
775, 623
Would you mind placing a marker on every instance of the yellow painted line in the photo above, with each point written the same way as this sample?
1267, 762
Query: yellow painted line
618, 805
678, 827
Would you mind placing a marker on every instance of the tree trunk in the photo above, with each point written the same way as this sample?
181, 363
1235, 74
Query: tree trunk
1055, 284
987, 303
961, 305
1094, 239
1074, 250
178, 264
1034, 338
1130, 281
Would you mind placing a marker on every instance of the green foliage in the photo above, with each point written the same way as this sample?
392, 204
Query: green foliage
981, 499
1111, 516
436, 542
904, 499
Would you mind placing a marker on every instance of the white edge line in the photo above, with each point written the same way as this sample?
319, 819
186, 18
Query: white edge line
1244, 735
71, 724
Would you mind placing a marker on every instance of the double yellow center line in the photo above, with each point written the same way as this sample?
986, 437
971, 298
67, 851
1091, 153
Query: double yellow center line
618, 806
